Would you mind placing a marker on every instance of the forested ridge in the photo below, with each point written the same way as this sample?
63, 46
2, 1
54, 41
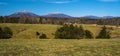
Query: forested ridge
53, 20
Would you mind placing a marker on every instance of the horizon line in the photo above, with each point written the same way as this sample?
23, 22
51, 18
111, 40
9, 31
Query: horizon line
58, 13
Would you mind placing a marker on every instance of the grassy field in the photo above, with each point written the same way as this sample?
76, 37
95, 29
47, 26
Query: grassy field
28, 31
57, 47
26, 43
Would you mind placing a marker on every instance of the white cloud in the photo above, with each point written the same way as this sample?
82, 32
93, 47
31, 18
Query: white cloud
59, 1
3, 3
109, 0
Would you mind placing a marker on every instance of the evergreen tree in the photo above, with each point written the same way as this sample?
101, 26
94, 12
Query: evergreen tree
81, 32
88, 34
104, 34
70, 32
62, 32
27, 20
1, 19
40, 20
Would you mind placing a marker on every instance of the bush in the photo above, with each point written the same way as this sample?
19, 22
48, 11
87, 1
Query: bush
104, 34
1, 33
70, 32
43, 36
37, 33
6, 33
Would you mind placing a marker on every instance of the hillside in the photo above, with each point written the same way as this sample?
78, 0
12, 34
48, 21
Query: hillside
28, 31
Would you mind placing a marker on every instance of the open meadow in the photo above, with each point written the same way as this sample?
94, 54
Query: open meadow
28, 31
59, 47
25, 42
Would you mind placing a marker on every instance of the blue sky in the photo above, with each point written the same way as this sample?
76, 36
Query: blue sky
70, 7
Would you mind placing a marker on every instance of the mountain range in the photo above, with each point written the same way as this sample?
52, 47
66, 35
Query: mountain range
57, 15
96, 17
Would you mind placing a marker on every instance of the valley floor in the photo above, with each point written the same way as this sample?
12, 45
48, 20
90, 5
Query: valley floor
60, 47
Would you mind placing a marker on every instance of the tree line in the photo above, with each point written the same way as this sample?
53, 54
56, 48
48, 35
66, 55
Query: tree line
60, 21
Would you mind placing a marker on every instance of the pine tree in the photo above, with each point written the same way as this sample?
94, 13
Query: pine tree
70, 32
104, 34
81, 32
40, 20
1, 19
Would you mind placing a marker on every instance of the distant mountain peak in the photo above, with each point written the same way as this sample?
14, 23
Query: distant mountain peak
23, 14
57, 15
24, 11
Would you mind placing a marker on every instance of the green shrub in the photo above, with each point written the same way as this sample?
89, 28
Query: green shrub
37, 33
1, 33
43, 36
70, 32
6, 33
88, 34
